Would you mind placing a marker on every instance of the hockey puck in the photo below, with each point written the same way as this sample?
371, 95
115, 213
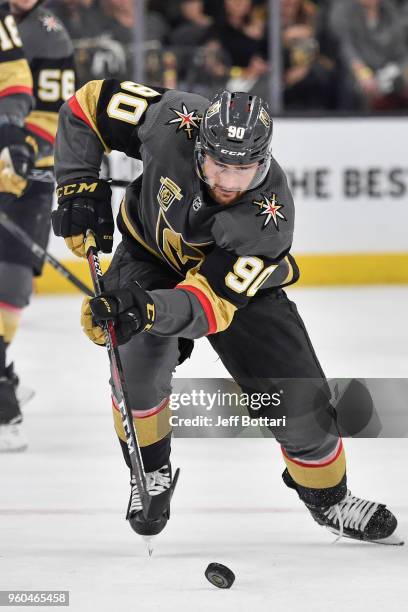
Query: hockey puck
220, 576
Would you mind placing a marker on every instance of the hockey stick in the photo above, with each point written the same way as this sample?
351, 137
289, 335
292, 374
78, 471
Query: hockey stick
118, 182
16, 231
153, 505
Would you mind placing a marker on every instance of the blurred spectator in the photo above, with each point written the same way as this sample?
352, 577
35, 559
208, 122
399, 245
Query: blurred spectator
169, 10
78, 16
241, 32
372, 40
188, 36
404, 18
194, 24
118, 19
215, 8
104, 42
208, 70
308, 76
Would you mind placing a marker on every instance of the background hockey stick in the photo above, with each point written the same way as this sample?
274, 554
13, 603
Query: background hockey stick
153, 506
35, 248
118, 182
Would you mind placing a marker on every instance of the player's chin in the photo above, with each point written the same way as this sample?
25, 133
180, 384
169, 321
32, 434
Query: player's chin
223, 196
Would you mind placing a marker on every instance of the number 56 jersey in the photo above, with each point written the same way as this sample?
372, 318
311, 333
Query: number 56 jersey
49, 53
223, 254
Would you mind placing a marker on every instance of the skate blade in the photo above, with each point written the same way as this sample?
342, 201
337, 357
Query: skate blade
24, 395
392, 540
148, 540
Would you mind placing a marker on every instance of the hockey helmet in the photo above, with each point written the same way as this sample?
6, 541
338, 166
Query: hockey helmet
236, 129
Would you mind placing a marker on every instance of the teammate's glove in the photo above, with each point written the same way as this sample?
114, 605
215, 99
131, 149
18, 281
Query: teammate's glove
84, 204
18, 150
131, 309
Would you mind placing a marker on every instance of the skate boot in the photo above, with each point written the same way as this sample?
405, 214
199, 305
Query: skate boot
157, 482
12, 436
354, 517
23, 394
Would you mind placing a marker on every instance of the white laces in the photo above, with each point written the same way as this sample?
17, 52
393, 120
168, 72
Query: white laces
157, 482
352, 512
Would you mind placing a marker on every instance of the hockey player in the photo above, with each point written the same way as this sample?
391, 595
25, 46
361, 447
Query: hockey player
206, 237
30, 97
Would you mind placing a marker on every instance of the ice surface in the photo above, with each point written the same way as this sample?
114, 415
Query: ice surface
62, 503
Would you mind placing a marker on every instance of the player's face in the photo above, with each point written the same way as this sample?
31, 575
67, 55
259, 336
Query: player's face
228, 181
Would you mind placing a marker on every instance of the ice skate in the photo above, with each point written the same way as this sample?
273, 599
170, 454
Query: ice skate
354, 517
157, 482
12, 436
23, 394
359, 519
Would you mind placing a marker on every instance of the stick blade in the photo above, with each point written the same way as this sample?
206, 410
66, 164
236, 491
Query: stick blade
155, 505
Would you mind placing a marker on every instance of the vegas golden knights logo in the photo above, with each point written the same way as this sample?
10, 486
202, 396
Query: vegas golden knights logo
168, 192
213, 110
181, 255
265, 118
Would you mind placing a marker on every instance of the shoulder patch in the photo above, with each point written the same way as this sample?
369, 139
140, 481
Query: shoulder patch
186, 120
270, 209
168, 192
51, 23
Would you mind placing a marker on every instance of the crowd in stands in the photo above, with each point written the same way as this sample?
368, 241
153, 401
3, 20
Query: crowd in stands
337, 55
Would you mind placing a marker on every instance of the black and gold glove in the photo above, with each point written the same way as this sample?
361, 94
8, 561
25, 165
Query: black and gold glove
84, 204
131, 309
18, 150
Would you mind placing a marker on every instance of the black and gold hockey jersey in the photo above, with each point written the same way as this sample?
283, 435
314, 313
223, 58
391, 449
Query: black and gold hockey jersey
16, 82
224, 254
50, 79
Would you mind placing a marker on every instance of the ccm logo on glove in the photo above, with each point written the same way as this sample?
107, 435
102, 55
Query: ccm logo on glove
74, 188
84, 205
131, 309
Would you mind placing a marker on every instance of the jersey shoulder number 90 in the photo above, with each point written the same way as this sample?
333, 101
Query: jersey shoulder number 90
130, 103
115, 110
248, 275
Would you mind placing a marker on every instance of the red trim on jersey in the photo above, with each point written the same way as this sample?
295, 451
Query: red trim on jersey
206, 304
77, 111
11, 307
16, 89
40, 132
144, 414
315, 464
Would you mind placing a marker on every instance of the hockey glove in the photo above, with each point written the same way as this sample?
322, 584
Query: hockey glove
131, 309
18, 150
84, 204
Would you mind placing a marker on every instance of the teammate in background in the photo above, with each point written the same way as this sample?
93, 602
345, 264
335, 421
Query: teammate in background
207, 231
31, 93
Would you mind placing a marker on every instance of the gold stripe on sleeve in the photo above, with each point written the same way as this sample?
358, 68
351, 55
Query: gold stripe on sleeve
223, 309
87, 97
15, 74
45, 121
